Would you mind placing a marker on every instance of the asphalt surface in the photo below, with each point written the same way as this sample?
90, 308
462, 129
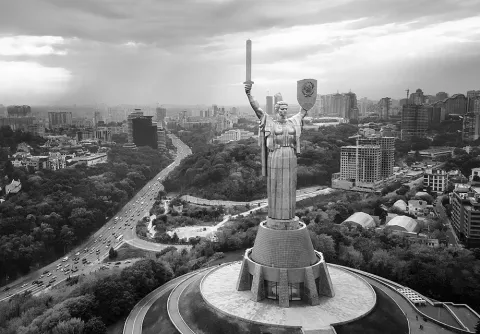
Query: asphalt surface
134, 321
301, 194
173, 308
440, 209
118, 230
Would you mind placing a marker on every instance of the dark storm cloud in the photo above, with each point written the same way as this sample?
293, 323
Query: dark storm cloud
181, 21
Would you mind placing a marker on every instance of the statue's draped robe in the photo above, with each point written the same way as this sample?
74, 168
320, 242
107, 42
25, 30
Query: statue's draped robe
280, 145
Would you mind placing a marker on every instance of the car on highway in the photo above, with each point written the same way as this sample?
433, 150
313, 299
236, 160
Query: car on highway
77, 253
45, 272
65, 259
6, 288
25, 285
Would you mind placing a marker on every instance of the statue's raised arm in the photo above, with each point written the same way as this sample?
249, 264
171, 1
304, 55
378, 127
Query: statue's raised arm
255, 106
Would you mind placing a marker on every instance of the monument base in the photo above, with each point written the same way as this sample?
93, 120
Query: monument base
310, 283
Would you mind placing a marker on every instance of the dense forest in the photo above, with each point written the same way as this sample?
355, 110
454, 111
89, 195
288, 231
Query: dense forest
56, 210
85, 308
233, 171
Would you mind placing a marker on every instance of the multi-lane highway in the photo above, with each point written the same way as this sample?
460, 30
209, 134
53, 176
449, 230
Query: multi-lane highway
118, 230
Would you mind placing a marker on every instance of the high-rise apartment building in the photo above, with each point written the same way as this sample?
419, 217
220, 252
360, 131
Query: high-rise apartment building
385, 105
471, 96
134, 114
144, 132
269, 105
161, 136
19, 111
456, 104
97, 117
361, 163
466, 215
162, 113
58, 119
414, 121
103, 134
471, 120
441, 96
417, 98
363, 106
387, 150
367, 165
338, 105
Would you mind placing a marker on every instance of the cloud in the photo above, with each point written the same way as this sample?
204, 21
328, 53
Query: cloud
193, 51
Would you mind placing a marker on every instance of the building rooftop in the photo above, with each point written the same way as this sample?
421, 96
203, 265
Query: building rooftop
404, 223
361, 218
400, 204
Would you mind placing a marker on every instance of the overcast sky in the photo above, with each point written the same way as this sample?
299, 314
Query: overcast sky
193, 51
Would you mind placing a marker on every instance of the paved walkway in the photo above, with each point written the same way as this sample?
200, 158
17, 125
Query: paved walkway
301, 194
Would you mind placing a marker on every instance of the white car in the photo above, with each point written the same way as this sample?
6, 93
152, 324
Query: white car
25, 285
77, 253
49, 274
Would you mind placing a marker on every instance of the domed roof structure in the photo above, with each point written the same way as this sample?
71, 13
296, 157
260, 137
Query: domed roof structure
403, 224
401, 205
360, 218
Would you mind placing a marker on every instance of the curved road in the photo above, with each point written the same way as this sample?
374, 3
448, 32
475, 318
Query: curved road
173, 308
134, 321
301, 194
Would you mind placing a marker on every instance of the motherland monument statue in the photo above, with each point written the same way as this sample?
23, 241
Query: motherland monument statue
282, 264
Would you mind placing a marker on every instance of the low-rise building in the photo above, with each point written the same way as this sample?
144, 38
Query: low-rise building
400, 205
417, 207
434, 152
360, 219
233, 135
437, 179
91, 160
403, 224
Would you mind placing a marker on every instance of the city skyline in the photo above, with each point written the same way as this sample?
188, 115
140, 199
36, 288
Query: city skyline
193, 51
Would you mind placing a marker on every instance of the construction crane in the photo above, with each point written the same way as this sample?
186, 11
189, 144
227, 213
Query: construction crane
408, 91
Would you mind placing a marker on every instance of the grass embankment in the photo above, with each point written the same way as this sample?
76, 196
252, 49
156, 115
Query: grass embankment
126, 252
386, 317
156, 320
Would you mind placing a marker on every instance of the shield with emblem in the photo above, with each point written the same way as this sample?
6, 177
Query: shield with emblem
307, 93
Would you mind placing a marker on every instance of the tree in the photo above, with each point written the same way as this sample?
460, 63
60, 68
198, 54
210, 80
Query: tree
71, 326
112, 253
67, 237
95, 326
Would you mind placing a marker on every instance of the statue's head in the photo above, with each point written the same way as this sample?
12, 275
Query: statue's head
281, 109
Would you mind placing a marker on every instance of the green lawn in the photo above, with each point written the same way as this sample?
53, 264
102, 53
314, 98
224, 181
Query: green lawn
129, 252
386, 317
